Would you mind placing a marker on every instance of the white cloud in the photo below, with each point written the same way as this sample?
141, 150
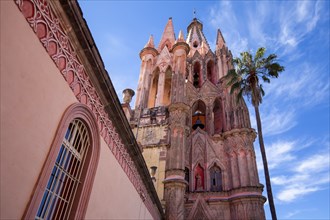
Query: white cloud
291, 193
298, 176
307, 84
293, 213
284, 180
277, 153
316, 163
302, 10
274, 121
307, 176
220, 15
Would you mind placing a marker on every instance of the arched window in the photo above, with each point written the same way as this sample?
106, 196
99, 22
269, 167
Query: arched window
197, 76
218, 117
216, 179
211, 72
199, 178
153, 89
167, 87
198, 115
66, 180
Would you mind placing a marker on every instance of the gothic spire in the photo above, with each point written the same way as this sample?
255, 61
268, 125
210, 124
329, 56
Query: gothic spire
220, 40
196, 38
168, 37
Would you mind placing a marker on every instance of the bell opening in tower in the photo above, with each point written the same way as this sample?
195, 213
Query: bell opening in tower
197, 75
198, 115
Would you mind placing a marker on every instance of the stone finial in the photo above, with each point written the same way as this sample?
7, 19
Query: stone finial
180, 37
127, 95
150, 42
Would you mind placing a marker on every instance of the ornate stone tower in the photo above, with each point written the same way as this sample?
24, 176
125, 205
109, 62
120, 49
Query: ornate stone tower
196, 138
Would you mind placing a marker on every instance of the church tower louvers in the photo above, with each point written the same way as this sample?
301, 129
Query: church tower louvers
196, 138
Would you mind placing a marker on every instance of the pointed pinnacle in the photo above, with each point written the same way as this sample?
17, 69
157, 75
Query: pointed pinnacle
168, 34
180, 37
150, 42
220, 38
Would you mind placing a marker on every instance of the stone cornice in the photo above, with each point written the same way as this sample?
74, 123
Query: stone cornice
242, 192
239, 131
148, 50
181, 45
180, 106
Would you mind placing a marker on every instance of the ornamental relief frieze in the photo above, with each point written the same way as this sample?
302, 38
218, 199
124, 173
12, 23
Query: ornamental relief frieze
48, 28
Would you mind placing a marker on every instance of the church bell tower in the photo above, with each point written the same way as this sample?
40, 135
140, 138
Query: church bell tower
196, 138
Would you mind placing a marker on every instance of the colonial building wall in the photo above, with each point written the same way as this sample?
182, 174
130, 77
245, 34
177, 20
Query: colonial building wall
155, 157
113, 195
42, 80
33, 99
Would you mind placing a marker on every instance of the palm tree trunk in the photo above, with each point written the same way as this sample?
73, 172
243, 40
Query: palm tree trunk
265, 163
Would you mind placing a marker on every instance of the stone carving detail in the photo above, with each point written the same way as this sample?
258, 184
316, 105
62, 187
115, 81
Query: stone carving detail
198, 150
177, 117
164, 60
175, 209
48, 28
200, 210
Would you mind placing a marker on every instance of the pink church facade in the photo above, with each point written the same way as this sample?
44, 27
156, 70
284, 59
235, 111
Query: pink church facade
67, 150
194, 130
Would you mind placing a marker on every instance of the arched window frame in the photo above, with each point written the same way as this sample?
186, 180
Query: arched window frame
199, 170
210, 71
218, 116
153, 92
197, 76
75, 111
199, 106
217, 178
167, 86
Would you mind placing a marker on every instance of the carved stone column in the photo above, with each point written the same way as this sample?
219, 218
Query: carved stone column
243, 168
174, 182
253, 179
234, 170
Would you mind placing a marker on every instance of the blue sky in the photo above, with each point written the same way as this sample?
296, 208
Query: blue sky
295, 110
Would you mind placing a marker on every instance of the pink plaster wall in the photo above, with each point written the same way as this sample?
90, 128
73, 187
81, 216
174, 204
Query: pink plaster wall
113, 195
34, 96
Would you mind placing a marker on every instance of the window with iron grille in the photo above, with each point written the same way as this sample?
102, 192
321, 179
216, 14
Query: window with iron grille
61, 189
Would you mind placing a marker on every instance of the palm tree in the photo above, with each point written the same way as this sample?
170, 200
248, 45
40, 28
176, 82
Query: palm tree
244, 79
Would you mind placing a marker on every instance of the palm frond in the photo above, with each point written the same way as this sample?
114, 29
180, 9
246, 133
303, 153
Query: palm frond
234, 87
259, 54
265, 79
262, 90
239, 96
249, 70
231, 77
